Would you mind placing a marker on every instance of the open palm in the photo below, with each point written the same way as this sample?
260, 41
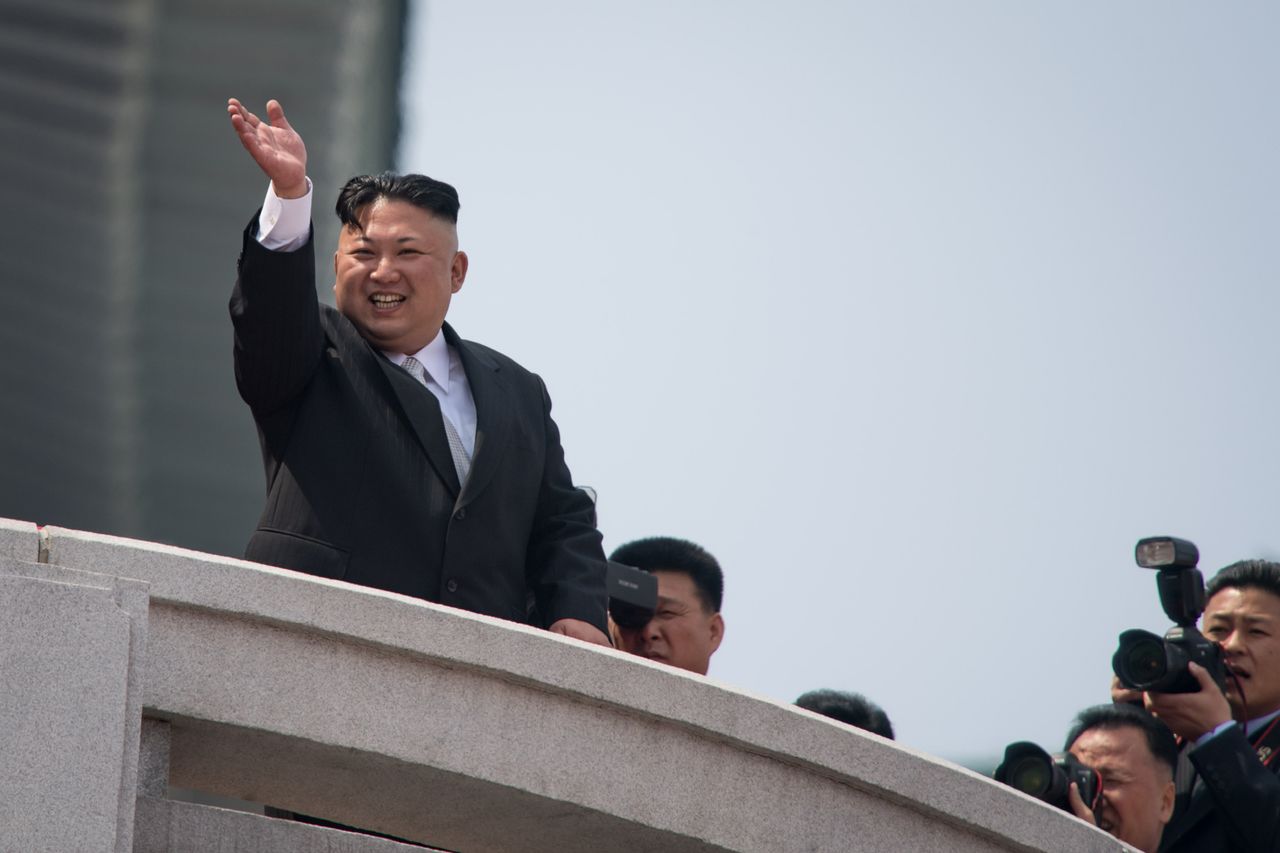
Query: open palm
274, 145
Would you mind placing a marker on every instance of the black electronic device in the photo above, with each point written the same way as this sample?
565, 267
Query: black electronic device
1149, 662
1029, 769
633, 595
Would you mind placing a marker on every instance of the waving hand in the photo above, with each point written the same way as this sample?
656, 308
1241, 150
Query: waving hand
274, 145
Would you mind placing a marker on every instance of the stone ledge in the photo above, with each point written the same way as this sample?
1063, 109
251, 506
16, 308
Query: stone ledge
165, 826
19, 540
72, 702
325, 682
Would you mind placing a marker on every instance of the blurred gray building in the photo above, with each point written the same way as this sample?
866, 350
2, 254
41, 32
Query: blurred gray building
125, 193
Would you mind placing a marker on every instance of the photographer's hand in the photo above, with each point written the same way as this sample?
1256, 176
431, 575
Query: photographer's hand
1191, 715
579, 630
1078, 807
1122, 695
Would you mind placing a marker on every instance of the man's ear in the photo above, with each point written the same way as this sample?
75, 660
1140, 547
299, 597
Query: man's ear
1166, 802
335, 271
717, 631
458, 273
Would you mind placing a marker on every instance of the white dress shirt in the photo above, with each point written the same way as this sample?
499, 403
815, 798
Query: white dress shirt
284, 226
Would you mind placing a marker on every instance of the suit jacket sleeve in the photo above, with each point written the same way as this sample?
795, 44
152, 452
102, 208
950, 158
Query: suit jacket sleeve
276, 316
1246, 794
565, 566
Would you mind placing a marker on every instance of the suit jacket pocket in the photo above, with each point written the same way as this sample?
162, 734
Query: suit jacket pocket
300, 553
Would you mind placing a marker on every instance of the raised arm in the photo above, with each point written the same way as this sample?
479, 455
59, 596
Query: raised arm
274, 145
278, 338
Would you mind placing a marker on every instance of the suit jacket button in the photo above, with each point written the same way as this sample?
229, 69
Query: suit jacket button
451, 585
460, 514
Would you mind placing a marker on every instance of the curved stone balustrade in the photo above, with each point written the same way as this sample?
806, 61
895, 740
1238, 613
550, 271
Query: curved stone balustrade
134, 666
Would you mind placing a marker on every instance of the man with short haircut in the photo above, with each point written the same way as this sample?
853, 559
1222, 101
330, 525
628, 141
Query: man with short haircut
686, 629
852, 709
1230, 798
397, 454
1135, 755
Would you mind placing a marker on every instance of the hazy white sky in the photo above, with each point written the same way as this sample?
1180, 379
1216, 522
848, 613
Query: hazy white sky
916, 314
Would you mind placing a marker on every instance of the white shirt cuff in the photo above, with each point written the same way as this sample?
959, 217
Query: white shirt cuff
285, 223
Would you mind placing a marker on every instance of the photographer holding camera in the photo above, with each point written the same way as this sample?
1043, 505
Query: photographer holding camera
1116, 772
1135, 756
686, 628
1225, 708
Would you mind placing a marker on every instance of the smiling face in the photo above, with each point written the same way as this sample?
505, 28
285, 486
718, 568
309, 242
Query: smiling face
394, 276
1137, 788
683, 631
1246, 622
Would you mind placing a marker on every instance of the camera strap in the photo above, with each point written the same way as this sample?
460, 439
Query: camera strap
1267, 744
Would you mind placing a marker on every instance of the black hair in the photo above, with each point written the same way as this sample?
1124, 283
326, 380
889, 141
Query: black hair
1260, 574
435, 197
666, 553
853, 709
1121, 714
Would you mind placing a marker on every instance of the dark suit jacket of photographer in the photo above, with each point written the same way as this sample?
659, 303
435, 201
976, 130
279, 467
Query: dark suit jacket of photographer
1236, 805
361, 485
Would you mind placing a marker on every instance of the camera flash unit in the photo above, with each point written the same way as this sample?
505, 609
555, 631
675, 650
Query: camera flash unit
1166, 552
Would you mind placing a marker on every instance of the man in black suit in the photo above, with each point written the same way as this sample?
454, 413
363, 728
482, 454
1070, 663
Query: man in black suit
1228, 792
398, 455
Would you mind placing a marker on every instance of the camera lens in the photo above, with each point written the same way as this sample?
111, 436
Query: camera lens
1026, 767
1145, 661
1030, 775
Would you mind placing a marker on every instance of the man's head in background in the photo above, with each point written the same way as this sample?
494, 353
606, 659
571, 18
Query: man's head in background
852, 709
686, 629
1135, 754
1242, 613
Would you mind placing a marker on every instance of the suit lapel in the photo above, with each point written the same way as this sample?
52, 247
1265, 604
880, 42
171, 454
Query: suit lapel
421, 410
493, 414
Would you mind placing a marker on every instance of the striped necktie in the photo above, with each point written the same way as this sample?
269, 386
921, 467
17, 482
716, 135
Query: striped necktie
461, 459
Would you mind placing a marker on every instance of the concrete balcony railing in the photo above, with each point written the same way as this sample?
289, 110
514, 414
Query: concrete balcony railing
129, 669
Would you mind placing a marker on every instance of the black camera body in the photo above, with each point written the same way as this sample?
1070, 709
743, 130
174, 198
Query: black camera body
1029, 769
1145, 661
633, 595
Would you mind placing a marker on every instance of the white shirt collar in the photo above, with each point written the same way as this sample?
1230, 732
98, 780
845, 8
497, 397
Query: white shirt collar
434, 358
